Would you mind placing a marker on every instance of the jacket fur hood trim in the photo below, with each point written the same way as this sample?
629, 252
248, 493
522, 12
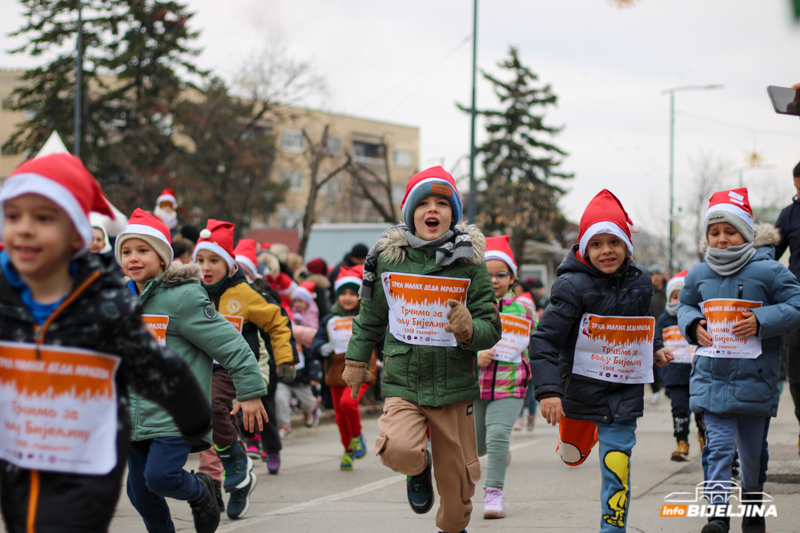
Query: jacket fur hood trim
764, 234
393, 243
320, 280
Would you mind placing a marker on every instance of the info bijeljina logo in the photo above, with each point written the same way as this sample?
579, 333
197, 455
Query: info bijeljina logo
690, 504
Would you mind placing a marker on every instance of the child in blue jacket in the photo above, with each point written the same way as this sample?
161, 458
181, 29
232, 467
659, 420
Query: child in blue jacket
733, 384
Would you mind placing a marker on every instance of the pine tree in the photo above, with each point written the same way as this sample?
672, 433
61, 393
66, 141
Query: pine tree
518, 193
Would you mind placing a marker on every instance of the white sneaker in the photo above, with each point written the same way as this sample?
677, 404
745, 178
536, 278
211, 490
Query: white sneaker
655, 398
493, 503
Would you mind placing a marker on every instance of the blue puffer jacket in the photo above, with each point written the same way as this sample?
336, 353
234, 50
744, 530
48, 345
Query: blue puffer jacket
742, 386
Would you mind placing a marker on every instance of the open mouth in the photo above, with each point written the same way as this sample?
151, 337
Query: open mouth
208, 279
432, 223
27, 252
135, 270
608, 261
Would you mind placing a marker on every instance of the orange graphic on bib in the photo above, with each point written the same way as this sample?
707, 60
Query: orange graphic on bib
427, 290
157, 325
615, 332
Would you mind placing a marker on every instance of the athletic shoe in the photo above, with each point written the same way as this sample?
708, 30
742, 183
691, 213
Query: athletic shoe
493, 503
717, 525
358, 447
236, 467
285, 432
420, 489
347, 462
518, 423
312, 418
531, 421
273, 462
681, 453
218, 495
205, 512
655, 398
239, 501
253, 448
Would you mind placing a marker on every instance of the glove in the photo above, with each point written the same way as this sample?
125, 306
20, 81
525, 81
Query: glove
460, 322
326, 349
286, 372
355, 374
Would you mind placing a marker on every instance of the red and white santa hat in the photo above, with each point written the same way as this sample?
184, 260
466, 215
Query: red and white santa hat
348, 278
245, 255
62, 179
143, 225
305, 292
283, 283
498, 248
217, 237
167, 195
676, 283
433, 181
733, 207
605, 214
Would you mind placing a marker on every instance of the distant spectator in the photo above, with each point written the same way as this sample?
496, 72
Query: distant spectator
182, 250
356, 256
190, 233
316, 271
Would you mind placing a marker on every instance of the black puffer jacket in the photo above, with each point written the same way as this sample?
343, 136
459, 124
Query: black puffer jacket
103, 316
580, 289
674, 374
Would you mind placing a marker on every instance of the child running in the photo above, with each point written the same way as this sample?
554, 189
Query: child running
676, 374
430, 378
504, 376
735, 374
598, 283
68, 305
170, 295
345, 405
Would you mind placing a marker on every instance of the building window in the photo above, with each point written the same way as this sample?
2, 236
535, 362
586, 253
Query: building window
369, 153
292, 141
334, 147
294, 179
403, 158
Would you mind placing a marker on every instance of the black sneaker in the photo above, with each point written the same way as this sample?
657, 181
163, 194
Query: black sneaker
239, 501
218, 494
717, 525
420, 489
205, 511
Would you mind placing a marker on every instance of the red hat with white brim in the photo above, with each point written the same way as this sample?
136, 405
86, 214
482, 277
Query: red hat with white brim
349, 278
677, 282
217, 237
167, 195
733, 207
498, 248
245, 255
605, 214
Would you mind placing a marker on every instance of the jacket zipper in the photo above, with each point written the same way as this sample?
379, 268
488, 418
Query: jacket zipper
741, 290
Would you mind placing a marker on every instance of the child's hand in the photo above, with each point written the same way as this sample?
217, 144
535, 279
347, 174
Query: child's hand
460, 322
355, 375
485, 357
252, 411
747, 327
552, 410
702, 336
663, 357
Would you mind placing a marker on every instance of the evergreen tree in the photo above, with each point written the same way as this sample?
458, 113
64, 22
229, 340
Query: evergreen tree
518, 192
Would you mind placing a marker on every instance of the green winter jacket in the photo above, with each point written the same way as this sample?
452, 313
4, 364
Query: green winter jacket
199, 334
426, 375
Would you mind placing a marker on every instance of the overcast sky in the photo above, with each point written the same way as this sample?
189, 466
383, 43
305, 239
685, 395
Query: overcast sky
401, 61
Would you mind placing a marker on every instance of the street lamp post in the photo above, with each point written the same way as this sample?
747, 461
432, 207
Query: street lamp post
672, 160
473, 187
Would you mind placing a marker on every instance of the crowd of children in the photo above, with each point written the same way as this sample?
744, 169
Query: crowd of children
204, 332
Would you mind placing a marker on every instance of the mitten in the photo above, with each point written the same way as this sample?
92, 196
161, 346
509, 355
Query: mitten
460, 322
286, 372
355, 374
326, 349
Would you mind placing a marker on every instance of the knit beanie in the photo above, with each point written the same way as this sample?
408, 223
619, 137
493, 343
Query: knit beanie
796, 171
142, 225
605, 214
317, 266
732, 207
349, 278
359, 251
98, 222
436, 181
498, 248
217, 238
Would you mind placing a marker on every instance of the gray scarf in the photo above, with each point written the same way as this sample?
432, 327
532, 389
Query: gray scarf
448, 248
672, 308
729, 261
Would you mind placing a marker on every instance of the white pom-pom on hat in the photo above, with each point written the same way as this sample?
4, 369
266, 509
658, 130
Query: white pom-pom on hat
206, 234
634, 228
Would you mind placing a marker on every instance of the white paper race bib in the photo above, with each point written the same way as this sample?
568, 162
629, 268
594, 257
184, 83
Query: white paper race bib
673, 340
418, 306
721, 314
157, 325
615, 348
515, 340
340, 329
58, 408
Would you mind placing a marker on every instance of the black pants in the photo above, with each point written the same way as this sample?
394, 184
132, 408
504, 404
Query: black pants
270, 438
790, 348
681, 414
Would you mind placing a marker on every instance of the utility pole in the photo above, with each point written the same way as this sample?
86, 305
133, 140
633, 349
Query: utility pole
473, 187
78, 90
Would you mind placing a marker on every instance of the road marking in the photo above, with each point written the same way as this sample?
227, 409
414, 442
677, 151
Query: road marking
258, 519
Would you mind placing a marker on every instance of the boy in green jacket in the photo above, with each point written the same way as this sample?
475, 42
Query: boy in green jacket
427, 280
176, 307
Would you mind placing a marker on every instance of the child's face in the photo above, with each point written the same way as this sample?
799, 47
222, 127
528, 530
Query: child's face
299, 306
139, 261
502, 278
606, 252
348, 299
722, 235
432, 217
98, 241
212, 266
673, 298
39, 236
